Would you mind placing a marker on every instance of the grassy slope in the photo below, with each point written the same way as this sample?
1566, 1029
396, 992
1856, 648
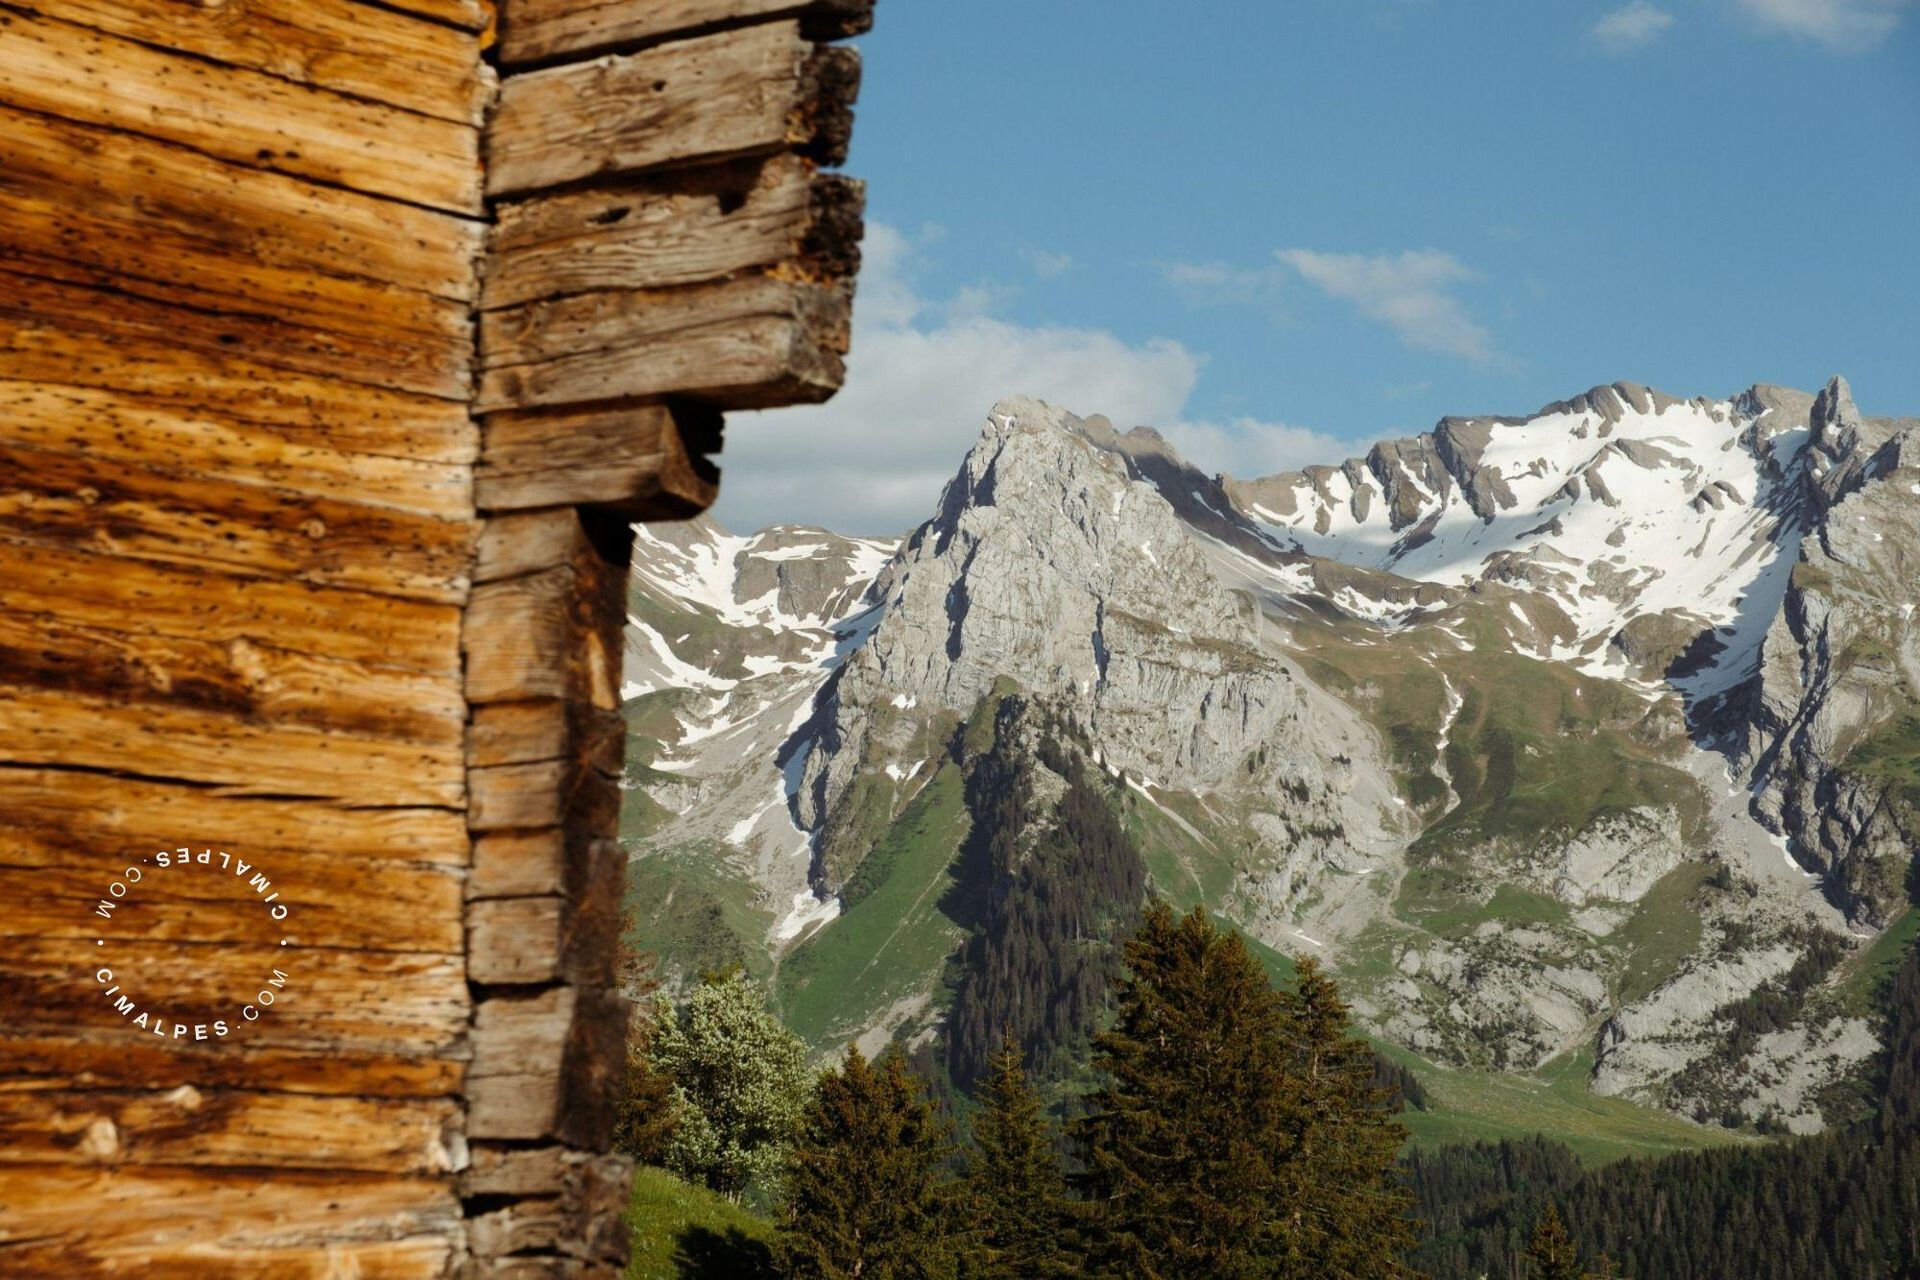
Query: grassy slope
684, 1232
886, 945
1468, 1106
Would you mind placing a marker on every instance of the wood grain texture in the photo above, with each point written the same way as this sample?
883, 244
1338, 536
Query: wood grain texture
247, 117
145, 186
221, 1128
242, 757
432, 363
540, 30
750, 343
336, 1000
544, 1065
135, 430
97, 590
634, 460
81, 1222
362, 50
755, 91
687, 227
110, 1058
172, 515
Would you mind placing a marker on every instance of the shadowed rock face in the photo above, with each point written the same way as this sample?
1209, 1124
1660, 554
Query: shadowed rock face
1355, 708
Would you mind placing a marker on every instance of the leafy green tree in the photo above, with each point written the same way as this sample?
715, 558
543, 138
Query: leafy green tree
645, 1116
1348, 1212
1018, 1213
865, 1191
739, 1085
1551, 1255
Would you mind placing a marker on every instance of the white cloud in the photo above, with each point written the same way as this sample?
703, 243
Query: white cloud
1632, 27
1219, 283
923, 373
1410, 293
1849, 26
1044, 264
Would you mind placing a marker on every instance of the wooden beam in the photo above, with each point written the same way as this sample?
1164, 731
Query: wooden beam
92, 300
750, 343
687, 228
553, 938
54, 804
148, 186
122, 596
215, 1128
755, 91
543, 30
173, 515
545, 1065
359, 49
336, 999
635, 461
87, 731
213, 1224
580, 1216
136, 431
238, 115
113, 1058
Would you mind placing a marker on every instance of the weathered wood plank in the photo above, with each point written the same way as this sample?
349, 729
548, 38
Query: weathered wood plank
255, 681
243, 116
685, 228
550, 938
148, 186
130, 429
518, 732
756, 91
545, 1065
173, 515
114, 1058
71, 730
357, 49
580, 1217
749, 343
468, 15
317, 318
93, 301
79, 1222
634, 460
538, 30
525, 542
142, 598
53, 804
541, 635
518, 864
215, 1128
378, 906
334, 1000
347, 415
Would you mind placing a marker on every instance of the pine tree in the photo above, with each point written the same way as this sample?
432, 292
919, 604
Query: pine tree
1551, 1255
865, 1193
739, 1086
1016, 1196
1181, 1140
1347, 1212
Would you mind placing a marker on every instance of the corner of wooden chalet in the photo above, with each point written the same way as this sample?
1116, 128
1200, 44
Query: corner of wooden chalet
344, 340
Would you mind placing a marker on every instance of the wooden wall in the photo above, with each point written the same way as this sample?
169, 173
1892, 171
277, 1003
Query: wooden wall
340, 340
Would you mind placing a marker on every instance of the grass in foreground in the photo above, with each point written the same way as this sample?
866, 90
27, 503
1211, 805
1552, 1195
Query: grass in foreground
684, 1232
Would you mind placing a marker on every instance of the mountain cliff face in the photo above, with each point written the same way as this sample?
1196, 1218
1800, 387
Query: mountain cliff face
1587, 736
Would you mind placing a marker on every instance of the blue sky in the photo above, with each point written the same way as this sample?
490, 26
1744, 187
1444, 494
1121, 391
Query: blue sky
1282, 230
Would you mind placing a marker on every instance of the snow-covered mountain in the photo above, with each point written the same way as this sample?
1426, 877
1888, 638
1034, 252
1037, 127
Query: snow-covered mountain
1553, 734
